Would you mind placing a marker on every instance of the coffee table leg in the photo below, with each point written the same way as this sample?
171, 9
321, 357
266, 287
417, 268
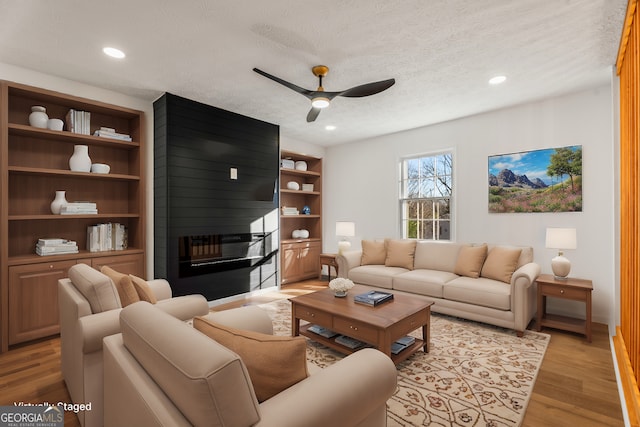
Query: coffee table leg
295, 326
425, 336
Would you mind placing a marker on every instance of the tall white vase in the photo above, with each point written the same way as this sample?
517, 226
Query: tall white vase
58, 202
80, 161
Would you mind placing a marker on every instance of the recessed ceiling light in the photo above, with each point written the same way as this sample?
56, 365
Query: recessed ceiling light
330, 127
113, 52
497, 80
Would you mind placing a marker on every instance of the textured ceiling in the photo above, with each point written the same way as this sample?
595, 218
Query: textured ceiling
441, 53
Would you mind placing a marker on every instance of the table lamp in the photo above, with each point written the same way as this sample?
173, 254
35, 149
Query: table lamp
560, 239
345, 229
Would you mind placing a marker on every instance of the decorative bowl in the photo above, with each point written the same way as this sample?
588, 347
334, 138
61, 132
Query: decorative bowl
100, 168
292, 185
301, 165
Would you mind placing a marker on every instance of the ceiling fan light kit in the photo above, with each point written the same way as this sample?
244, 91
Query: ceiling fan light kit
321, 99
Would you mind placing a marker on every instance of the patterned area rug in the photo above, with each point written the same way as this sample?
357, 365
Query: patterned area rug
474, 374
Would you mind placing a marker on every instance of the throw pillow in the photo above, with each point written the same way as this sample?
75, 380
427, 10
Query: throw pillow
470, 260
400, 253
126, 290
97, 288
143, 289
373, 252
501, 263
274, 362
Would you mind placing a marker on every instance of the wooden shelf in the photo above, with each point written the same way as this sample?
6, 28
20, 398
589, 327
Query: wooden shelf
300, 173
302, 216
81, 255
62, 172
70, 137
52, 217
287, 191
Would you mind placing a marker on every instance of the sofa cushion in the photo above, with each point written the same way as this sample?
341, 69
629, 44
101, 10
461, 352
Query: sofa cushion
275, 363
481, 291
435, 255
500, 264
143, 289
126, 290
200, 376
375, 275
97, 288
373, 252
423, 282
470, 260
400, 253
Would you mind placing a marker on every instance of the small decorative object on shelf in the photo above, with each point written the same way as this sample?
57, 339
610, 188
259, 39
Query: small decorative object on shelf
80, 160
301, 165
340, 286
292, 185
58, 202
79, 121
100, 168
306, 210
55, 124
38, 117
307, 187
106, 132
79, 208
56, 246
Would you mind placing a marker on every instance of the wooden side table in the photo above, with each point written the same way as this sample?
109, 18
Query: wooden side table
572, 289
330, 261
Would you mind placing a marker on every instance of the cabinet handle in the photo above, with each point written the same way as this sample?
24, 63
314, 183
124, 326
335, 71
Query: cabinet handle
562, 291
311, 314
51, 266
355, 328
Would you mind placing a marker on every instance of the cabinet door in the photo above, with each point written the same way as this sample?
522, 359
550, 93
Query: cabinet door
33, 300
127, 264
290, 266
310, 260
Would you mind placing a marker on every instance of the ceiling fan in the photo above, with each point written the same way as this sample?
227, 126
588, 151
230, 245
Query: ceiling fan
321, 99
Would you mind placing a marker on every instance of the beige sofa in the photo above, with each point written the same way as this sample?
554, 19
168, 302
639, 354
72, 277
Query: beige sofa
496, 288
162, 372
89, 310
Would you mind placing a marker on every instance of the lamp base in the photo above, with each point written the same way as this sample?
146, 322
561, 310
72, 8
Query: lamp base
343, 246
561, 267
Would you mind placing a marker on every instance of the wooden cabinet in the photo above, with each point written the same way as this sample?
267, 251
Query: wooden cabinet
300, 260
300, 188
34, 164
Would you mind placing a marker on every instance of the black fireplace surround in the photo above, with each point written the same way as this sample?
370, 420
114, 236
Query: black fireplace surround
215, 199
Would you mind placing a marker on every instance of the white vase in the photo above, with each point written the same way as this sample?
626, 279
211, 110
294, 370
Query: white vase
58, 202
38, 117
80, 161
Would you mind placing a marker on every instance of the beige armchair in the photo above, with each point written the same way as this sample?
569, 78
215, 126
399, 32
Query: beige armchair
162, 372
89, 311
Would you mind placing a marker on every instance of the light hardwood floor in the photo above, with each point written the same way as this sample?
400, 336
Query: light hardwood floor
575, 386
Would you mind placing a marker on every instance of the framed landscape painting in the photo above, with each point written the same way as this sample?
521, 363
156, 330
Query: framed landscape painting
548, 180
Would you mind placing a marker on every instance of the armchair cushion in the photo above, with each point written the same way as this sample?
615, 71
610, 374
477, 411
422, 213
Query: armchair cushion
143, 289
501, 263
126, 290
97, 288
470, 261
274, 363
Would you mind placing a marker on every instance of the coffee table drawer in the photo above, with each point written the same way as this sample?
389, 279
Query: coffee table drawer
312, 315
355, 329
409, 324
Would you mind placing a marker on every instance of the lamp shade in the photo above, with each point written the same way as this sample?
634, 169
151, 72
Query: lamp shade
345, 228
561, 238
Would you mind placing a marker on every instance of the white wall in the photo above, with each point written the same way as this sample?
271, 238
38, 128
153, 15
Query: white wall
361, 184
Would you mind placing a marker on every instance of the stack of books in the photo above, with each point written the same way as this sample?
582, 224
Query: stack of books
352, 343
55, 246
322, 331
79, 121
79, 208
373, 298
289, 211
106, 132
107, 237
402, 343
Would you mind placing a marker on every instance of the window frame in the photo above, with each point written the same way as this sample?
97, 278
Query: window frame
402, 199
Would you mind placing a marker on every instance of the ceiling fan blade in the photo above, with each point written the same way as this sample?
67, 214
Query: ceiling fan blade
308, 93
313, 114
367, 89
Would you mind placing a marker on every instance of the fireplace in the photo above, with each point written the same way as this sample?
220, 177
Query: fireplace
212, 253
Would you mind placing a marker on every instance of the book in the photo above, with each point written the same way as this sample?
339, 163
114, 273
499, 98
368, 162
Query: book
346, 341
406, 340
327, 333
45, 241
373, 298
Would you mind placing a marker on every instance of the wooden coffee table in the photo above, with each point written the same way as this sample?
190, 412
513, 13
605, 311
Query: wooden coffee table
378, 326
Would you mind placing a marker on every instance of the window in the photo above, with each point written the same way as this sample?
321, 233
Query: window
425, 196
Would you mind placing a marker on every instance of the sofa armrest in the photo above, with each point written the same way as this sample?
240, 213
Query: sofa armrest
523, 295
160, 288
248, 318
94, 328
185, 307
346, 261
343, 394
